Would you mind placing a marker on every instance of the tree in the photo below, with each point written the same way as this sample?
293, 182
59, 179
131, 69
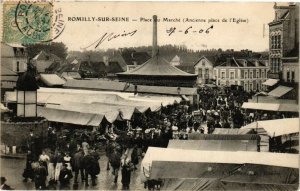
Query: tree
57, 48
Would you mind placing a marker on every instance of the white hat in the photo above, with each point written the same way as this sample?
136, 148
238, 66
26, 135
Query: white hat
147, 131
174, 128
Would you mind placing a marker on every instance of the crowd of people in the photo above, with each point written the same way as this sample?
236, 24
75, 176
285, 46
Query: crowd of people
70, 153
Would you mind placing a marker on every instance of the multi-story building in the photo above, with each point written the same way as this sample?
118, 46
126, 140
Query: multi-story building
13, 62
283, 37
43, 61
14, 57
248, 73
204, 69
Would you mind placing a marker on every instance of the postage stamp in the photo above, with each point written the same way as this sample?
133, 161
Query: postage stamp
30, 22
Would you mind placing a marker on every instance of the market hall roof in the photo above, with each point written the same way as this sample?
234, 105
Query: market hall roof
156, 66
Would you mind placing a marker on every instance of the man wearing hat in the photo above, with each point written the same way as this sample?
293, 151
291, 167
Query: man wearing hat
40, 175
65, 176
3, 185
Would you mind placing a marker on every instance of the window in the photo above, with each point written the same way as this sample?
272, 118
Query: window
246, 75
279, 41
262, 74
276, 65
206, 73
257, 74
250, 87
223, 75
18, 66
231, 75
251, 75
288, 76
200, 72
293, 76
203, 63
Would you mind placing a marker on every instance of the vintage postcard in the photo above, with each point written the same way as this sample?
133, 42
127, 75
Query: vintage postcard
149, 95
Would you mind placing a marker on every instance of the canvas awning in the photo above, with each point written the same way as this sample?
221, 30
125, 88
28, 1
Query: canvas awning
198, 136
261, 106
276, 127
52, 80
238, 173
71, 117
270, 82
271, 106
59, 96
221, 157
225, 131
289, 107
195, 184
280, 91
111, 115
215, 145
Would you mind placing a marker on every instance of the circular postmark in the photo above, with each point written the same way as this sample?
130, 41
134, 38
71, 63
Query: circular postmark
39, 21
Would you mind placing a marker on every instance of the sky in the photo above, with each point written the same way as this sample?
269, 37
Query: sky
78, 35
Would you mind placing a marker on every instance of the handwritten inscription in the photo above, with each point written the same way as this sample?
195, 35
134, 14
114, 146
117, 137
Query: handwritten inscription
110, 36
190, 29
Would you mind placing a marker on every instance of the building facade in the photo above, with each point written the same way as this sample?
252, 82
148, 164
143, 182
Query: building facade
204, 69
14, 57
248, 73
283, 37
290, 73
43, 61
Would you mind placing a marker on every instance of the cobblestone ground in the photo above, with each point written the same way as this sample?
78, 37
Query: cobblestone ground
12, 169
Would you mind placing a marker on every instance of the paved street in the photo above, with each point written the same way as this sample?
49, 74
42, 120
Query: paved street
12, 169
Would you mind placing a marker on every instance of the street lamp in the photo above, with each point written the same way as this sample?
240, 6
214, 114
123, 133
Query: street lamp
27, 94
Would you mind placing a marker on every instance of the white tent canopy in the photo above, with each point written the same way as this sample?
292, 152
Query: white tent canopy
71, 117
276, 127
222, 157
110, 115
59, 95
261, 106
270, 82
271, 106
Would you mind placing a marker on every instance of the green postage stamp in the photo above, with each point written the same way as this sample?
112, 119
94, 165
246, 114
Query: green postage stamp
27, 22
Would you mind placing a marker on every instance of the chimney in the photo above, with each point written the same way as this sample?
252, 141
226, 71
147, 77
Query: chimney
154, 40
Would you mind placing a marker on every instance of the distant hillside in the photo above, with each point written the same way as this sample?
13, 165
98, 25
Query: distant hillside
166, 51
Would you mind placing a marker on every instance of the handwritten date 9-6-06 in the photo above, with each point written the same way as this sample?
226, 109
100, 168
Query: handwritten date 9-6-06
190, 29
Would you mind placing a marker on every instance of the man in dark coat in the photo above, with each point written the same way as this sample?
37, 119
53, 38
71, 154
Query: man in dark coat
134, 157
28, 171
40, 175
77, 165
91, 167
115, 162
64, 177
126, 174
